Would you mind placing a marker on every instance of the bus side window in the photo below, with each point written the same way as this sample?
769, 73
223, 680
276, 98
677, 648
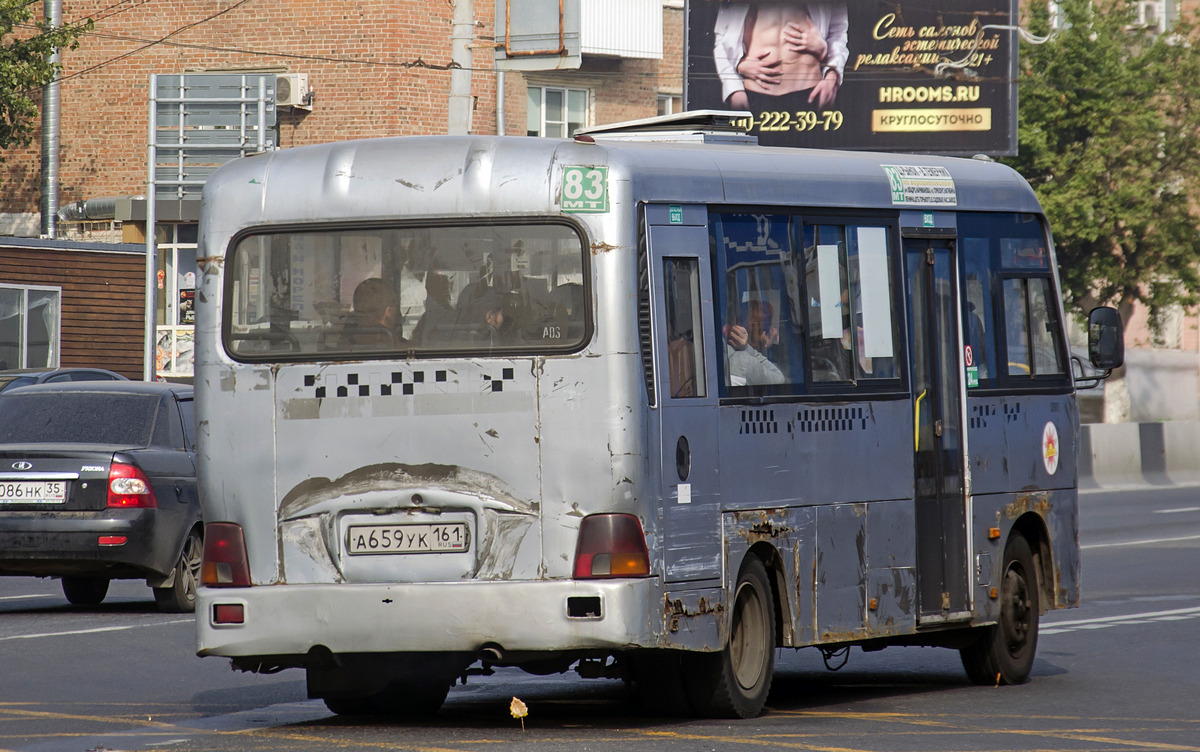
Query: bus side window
1030, 322
1016, 327
758, 333
828, 294
871, 298
685, 345
978, 334
1043, 329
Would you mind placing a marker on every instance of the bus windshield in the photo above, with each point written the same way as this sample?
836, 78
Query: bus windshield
467, 289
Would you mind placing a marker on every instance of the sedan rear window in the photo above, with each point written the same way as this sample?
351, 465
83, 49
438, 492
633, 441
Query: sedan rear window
77, 418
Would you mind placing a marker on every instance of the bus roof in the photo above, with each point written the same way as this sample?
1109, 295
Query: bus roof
509, 175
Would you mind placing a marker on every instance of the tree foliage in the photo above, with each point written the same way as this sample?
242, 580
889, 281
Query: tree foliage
25, 48
1109, 137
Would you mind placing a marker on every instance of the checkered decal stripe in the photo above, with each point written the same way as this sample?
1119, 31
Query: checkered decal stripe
827, 419
758, 421
398, 383
981, 413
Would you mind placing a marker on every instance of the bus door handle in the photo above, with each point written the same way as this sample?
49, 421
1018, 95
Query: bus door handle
917, 421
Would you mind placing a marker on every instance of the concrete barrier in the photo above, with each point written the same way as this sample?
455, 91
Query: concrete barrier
1139, 454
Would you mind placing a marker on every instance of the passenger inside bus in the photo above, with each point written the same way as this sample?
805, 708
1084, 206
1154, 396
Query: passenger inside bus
489, 324
746, 347
373, 320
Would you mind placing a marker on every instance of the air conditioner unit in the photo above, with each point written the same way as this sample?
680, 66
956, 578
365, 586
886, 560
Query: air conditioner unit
291, 90
1151, 15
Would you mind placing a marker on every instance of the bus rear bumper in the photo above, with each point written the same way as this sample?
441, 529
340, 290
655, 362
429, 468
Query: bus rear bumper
549, 615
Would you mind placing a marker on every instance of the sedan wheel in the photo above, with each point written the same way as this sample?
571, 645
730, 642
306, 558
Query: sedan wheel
180, 595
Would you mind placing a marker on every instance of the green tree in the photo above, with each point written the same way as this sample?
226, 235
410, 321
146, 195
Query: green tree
1109, 138
25, 67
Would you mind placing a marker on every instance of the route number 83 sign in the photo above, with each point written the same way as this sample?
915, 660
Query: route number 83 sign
585, 190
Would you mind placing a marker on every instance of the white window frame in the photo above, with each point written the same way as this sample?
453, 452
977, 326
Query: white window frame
55, 336
536, 101
175, 348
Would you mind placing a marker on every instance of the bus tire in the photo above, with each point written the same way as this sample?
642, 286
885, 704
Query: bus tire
734, 682
405, 699
1004, 652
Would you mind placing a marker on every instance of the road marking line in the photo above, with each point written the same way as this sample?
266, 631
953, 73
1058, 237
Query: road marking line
23, 597
1146, 542
94, 631
1177, 511
1102, 622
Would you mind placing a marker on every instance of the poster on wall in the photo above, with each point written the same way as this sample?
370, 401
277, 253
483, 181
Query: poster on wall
870, 75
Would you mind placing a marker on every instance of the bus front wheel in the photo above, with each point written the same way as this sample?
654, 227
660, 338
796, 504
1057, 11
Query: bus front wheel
734, 682
1004, 652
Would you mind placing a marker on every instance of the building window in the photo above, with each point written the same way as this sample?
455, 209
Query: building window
29, 326
176, 298
555, 113
670, 104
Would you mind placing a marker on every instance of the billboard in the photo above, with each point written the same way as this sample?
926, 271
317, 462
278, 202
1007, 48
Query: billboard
865, 75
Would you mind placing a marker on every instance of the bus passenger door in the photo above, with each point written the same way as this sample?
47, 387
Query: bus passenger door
682, 317
943, 576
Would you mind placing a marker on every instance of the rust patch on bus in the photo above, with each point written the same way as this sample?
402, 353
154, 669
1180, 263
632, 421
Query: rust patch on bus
762, 526
1038, 501
602, 247
211, 264
674, 611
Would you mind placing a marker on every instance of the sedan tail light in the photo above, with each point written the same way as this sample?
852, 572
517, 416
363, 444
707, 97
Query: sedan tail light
128, 487
225, 563
611, 545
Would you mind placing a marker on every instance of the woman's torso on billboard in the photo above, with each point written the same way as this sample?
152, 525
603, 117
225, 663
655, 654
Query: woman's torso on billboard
764, 34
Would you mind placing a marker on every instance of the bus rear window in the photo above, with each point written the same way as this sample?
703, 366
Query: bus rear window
422, 291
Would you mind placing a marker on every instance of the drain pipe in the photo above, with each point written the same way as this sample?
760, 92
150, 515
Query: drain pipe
50, 119
500, 115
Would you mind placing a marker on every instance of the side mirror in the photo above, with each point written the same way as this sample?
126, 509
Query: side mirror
1106, 338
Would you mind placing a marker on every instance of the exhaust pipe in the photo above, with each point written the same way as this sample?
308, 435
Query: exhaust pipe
491, 654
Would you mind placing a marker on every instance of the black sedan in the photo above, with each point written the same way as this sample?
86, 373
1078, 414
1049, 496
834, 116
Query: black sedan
98, 482
26, 376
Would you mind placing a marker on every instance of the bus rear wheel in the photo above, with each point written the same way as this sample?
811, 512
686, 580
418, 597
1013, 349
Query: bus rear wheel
1005, 651
407, 699
734, 682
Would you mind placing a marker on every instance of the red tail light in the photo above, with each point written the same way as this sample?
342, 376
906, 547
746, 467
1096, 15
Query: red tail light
129, 488
611, 545
225, 563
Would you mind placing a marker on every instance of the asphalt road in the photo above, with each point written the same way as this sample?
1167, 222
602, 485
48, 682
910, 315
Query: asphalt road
1119, 673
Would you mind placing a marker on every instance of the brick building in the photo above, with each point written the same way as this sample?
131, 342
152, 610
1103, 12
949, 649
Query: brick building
375, 68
